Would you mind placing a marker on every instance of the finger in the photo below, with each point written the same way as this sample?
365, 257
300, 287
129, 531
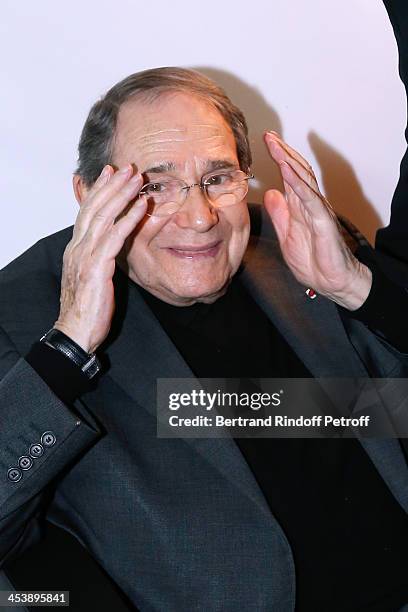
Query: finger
296, 211
313, 201
98, 195
280, 154
102, 180
112, 242
278, 211
309, 180
290, 151
106, 216
99, 220
288, 189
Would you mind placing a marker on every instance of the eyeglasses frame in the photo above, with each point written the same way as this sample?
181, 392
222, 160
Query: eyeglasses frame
202, 185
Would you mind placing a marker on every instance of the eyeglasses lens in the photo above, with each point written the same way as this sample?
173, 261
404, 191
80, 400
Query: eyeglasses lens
222, 189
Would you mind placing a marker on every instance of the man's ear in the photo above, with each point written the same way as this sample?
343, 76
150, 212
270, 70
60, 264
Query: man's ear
80, 189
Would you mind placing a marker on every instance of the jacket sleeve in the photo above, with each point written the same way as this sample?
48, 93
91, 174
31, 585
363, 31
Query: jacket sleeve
39, 437
391, 241
384, 311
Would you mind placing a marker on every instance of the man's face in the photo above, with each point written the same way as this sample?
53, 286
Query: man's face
181, 136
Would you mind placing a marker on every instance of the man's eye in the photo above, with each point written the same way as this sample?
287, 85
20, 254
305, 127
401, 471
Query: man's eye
218, 179
153, 188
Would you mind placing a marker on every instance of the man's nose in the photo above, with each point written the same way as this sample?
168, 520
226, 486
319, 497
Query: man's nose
196, 212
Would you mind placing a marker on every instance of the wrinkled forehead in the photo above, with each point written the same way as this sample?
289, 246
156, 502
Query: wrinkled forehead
177, 128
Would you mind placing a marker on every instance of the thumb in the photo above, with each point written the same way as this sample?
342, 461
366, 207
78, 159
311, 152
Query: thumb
278, 211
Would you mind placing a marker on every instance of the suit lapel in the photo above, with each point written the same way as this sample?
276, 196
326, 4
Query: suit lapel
314, 330
311, 327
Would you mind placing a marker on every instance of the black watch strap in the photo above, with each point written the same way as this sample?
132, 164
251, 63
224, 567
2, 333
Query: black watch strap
88, 362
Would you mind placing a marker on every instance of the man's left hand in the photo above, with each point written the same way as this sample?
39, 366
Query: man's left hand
309, 234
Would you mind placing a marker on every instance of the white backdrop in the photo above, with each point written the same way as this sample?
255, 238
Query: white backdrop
324, 74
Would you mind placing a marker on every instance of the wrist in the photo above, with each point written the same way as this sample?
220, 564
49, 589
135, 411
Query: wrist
356, 290
81, 339
61, 342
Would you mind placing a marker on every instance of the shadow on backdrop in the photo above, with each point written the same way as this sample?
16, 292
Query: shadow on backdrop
339, 180
343, 189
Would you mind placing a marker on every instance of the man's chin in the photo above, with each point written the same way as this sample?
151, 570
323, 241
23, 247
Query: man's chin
193, 294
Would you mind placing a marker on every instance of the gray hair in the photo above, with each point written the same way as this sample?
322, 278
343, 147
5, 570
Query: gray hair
97, 138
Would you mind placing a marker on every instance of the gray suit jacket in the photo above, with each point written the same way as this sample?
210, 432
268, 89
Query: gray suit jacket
179, 524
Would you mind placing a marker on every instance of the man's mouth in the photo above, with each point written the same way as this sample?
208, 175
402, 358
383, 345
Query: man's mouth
195, 251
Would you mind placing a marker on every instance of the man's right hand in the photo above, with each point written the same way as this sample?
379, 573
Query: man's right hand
101, 228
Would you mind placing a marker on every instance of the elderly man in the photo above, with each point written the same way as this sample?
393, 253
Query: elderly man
195, 524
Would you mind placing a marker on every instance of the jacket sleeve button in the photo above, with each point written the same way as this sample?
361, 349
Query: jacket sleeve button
48, 438
36, 450
25, 462
14, 474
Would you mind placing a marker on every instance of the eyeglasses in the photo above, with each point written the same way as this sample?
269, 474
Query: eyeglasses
221, 189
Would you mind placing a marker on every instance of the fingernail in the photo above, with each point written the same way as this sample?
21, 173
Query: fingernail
272, 132
104, 172
136, 178
124, 169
